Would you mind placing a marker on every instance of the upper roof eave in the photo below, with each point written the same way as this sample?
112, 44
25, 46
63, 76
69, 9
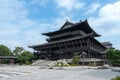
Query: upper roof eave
86, 22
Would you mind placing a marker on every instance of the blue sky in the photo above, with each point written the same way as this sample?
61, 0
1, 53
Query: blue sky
23, 21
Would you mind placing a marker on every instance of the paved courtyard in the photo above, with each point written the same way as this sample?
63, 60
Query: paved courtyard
70, 73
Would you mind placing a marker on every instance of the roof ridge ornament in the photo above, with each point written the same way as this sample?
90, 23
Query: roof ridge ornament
66, 20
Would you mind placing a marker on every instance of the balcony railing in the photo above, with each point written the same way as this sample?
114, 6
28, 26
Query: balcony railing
95, 49
90, 59
60, 35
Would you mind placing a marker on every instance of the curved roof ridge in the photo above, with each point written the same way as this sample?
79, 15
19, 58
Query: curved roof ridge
67, 24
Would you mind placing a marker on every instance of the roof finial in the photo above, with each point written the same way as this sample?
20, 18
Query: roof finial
66, 20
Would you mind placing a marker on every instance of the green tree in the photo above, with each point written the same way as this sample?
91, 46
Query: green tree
116, 78
113, 56
25, 57
76, 59
18, 50
5, 51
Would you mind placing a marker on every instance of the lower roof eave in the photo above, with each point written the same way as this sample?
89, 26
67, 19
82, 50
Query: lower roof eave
34, 46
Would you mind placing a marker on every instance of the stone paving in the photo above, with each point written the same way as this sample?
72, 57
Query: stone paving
69, 73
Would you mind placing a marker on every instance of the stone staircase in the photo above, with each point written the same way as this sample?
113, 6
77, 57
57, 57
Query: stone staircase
49, 62
42, 63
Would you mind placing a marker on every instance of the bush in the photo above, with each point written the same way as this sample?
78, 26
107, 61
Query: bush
92, 63
28, 63
75, 59
25, 57
5, 51
113, 56
61, 64
116, 78
115, 62
73, 64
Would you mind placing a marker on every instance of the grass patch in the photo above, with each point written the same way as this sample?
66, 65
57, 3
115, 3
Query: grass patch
116, 78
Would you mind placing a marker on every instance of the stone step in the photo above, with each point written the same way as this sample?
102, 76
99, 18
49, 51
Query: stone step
41, 63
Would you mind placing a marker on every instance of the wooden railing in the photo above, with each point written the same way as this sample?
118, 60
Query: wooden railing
60, 35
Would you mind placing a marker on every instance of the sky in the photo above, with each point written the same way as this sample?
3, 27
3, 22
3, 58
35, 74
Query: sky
23, 21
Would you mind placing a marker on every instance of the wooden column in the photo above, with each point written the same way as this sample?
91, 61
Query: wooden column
80, 44
88, 54
66, 49
68, 46
72, 44
59, 45
50, 52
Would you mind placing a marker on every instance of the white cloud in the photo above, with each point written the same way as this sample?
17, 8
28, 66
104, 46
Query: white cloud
11, 10
92, 8
39, 2
111, 11
16, 29
107, 23
108, 17
14, 23
69, 4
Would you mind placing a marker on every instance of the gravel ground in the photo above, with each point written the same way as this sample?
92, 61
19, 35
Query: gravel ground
69, 73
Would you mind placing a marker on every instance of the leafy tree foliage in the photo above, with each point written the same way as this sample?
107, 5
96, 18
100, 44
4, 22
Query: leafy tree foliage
76, 59
116, 78
5, 51
25, 57
113, 56
18, 50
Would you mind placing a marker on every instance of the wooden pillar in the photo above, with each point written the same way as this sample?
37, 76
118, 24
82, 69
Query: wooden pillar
72, 44
68, 46
50, 52
91, 54
80, 43
65, 50
59, 49
88, 54
90, 45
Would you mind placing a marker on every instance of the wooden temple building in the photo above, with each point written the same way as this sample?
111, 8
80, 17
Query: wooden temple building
8, 59
71, 38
